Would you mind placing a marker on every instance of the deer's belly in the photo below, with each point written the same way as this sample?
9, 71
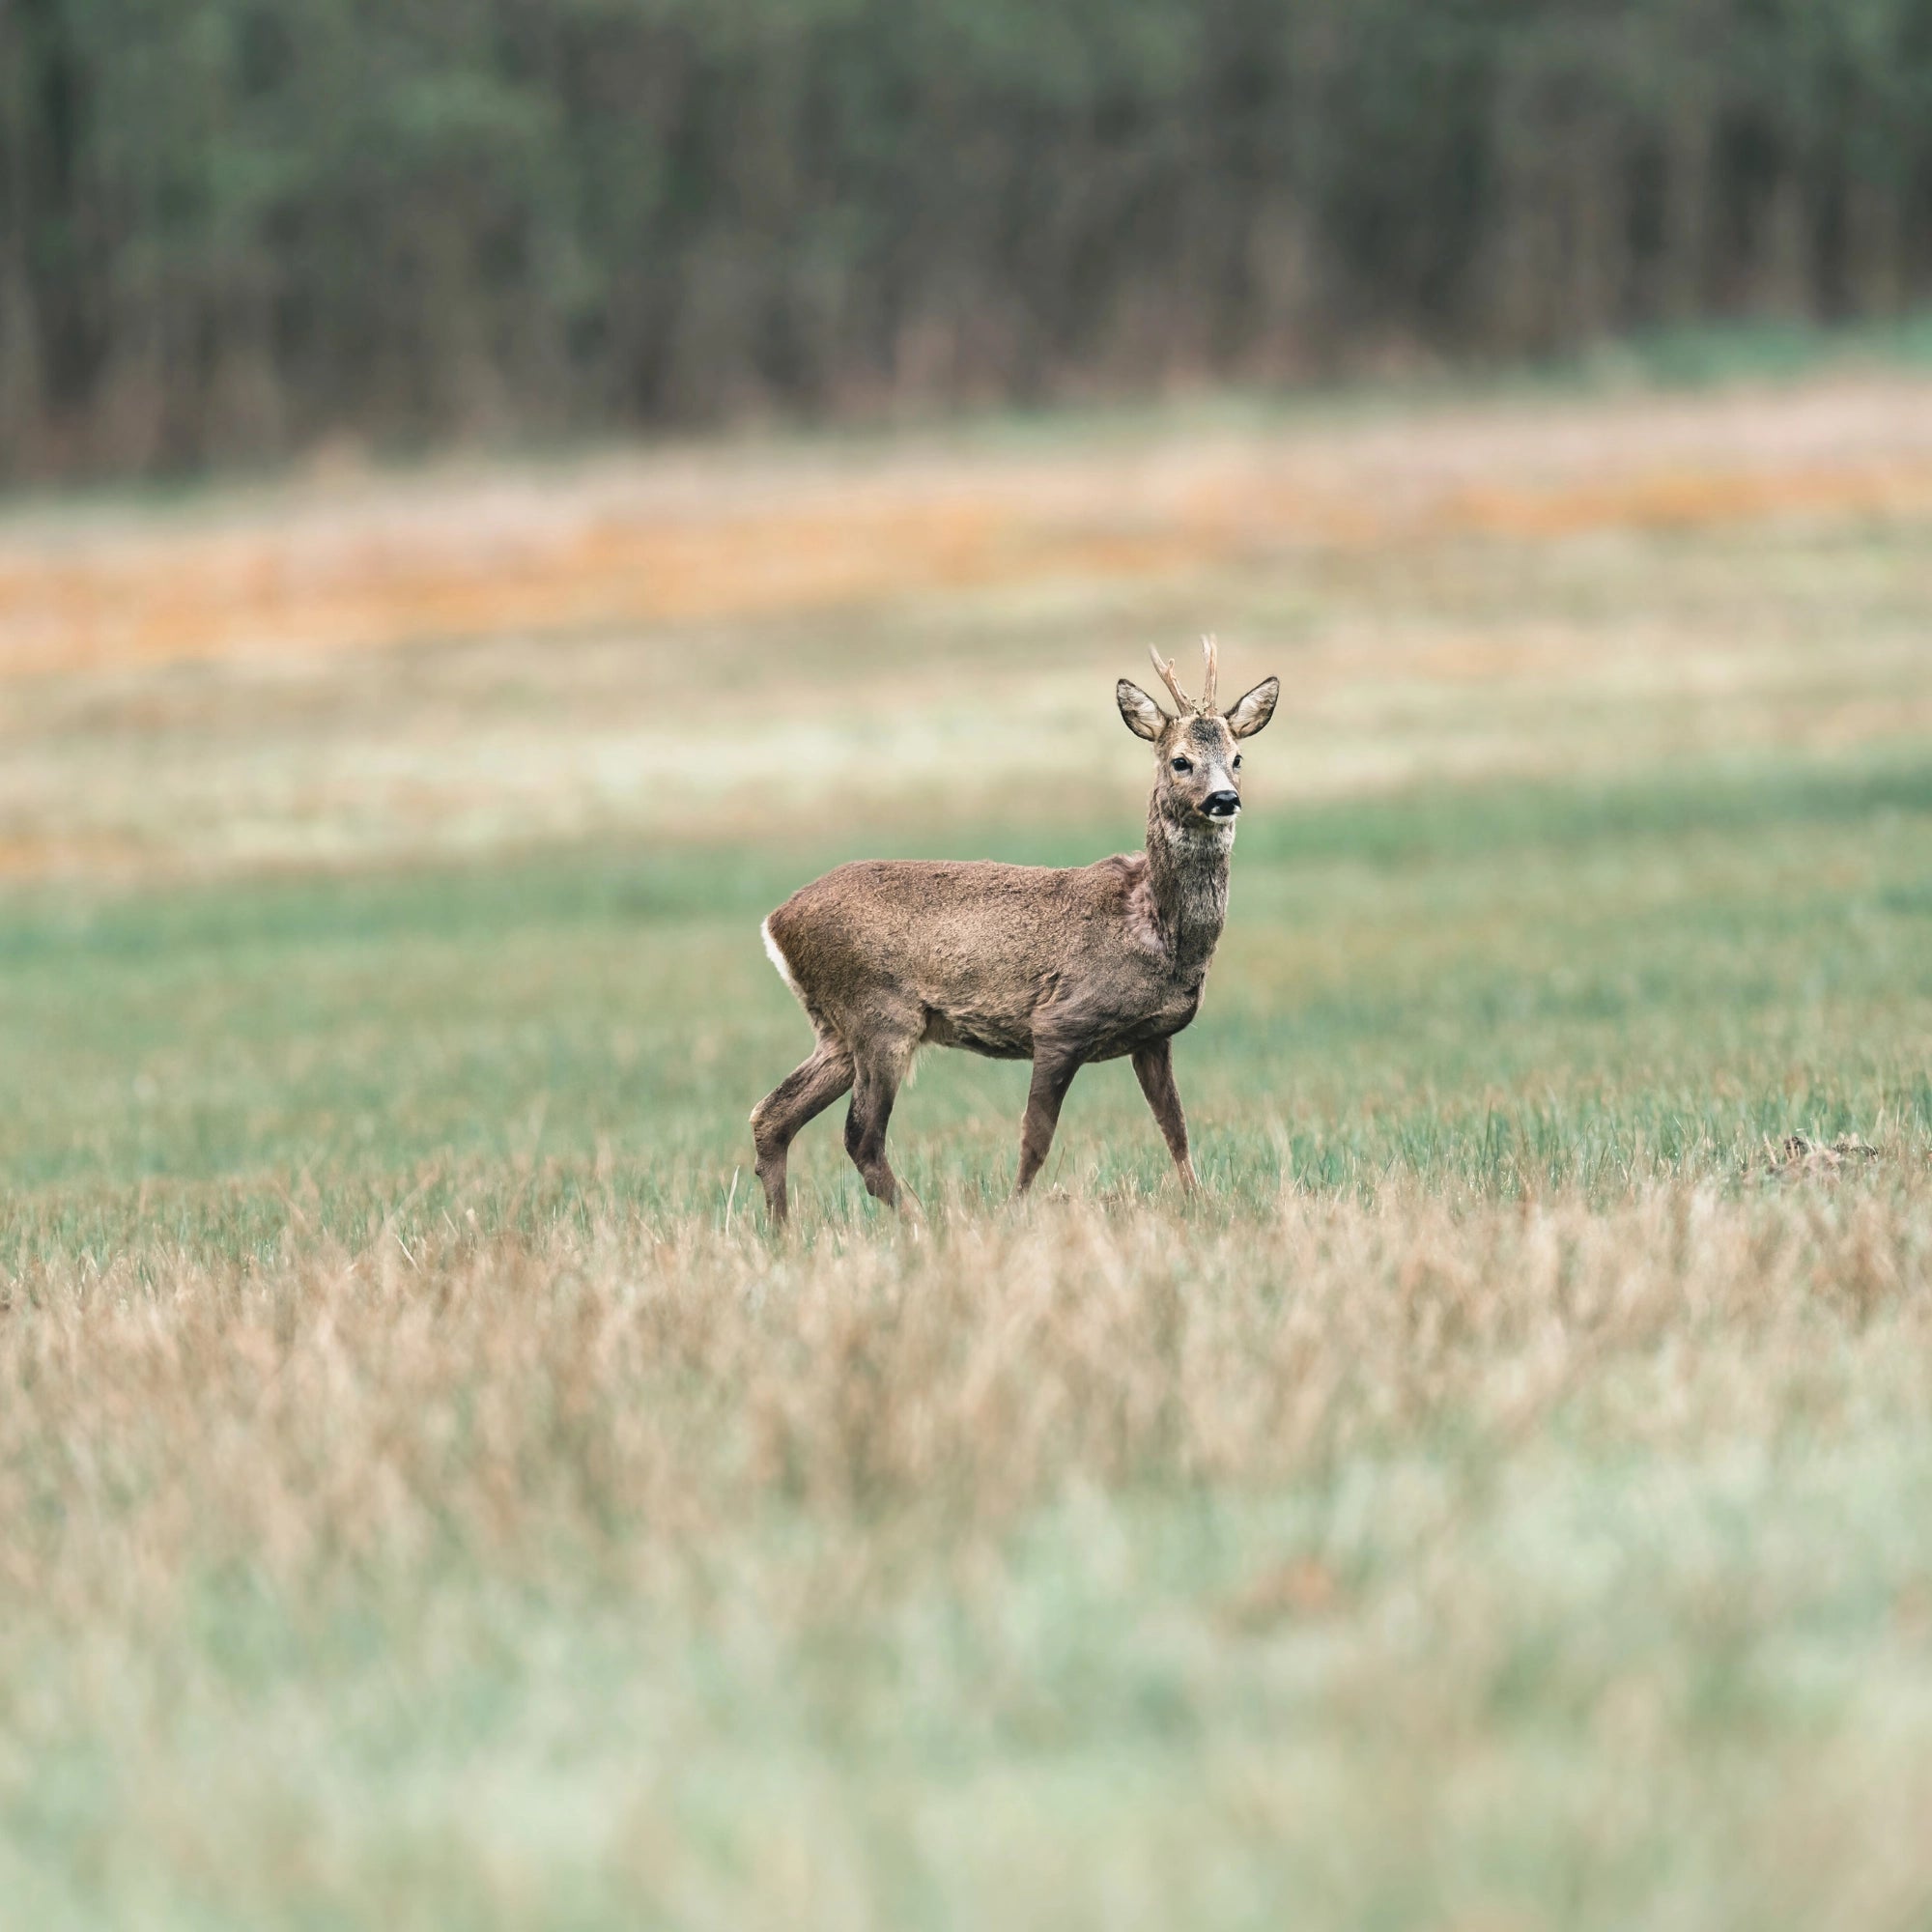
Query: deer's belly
1107, 1037
996, 1038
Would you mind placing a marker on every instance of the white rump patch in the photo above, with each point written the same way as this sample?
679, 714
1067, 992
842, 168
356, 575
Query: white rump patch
777, 959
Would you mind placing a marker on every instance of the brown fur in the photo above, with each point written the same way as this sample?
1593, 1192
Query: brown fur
1056, 965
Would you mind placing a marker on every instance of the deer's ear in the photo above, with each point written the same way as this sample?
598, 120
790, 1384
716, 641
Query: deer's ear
1252, 712
1145, 718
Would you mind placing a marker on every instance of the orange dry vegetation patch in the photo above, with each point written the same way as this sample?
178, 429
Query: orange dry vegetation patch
660, 539
1694, 500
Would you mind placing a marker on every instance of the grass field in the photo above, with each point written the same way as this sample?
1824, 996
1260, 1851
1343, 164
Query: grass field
1503, 1498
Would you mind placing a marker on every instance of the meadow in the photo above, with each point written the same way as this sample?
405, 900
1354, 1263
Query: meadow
1499, 1498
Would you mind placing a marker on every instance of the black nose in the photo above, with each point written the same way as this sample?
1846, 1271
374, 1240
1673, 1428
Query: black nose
1221, 804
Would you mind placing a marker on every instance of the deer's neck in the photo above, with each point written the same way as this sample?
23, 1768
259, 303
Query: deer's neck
1187, 869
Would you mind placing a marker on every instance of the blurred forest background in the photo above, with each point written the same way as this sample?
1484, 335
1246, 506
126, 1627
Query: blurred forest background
230, 229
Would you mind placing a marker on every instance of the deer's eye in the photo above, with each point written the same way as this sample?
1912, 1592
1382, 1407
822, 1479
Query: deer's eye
1237, 761
1183, 765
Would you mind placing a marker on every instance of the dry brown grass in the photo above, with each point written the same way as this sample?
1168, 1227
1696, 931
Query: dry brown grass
1507, 1522
636, 1388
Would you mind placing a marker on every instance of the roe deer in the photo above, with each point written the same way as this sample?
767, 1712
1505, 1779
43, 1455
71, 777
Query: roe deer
1059, 966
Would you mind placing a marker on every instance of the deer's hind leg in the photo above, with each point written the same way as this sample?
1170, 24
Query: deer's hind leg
881, 1066
804, 1093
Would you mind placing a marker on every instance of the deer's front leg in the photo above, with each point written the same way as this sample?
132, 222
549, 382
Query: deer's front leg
1053, 1070
1153, 1069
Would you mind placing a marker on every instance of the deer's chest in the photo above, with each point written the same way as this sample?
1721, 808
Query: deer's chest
1168, 1008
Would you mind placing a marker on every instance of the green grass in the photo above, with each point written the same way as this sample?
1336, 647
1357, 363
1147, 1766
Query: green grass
1489, 989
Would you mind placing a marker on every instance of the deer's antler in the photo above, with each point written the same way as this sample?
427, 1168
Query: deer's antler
1165, 667
1209, 673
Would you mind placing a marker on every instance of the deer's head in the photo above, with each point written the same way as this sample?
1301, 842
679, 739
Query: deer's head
1198, 758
